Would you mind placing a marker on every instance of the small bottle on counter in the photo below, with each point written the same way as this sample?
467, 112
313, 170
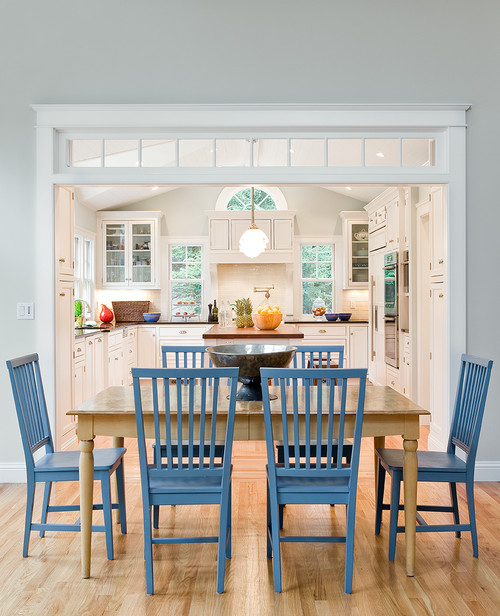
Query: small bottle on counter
228, 316
215, 312
222, 314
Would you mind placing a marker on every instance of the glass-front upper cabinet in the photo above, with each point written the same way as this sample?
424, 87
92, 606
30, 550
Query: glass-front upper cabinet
356, 249
130, 251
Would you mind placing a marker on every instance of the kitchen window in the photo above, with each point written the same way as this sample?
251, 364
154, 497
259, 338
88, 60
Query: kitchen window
317, 275
85, 268
186, 279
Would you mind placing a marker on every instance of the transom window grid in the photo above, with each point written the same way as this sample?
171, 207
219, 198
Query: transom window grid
243, 200
317, 276
344, 152
186, 280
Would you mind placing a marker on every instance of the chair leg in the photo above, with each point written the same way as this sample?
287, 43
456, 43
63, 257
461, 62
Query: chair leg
268, 523
120, 482
221, 545
380, 498
472, 516
30, 497
45, 505
148, 549
281, 512
108, 518
275, 534
454, 502
229, 533
349, 547
393, 527
156, 516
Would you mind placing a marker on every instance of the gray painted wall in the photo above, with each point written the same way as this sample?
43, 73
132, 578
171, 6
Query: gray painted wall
317, 209
325, 51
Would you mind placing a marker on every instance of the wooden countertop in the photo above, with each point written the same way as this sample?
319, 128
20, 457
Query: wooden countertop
283, 331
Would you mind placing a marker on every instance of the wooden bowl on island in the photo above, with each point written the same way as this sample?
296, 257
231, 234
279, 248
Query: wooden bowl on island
267, 320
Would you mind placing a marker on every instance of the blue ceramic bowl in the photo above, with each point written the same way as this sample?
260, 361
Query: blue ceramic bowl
345, 316
331, 316
151, 317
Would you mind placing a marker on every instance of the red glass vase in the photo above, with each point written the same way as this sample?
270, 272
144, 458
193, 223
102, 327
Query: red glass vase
106, 315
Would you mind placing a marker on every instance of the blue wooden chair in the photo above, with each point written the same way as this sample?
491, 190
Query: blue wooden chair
54, 466
318, 356
310, 479
183, 357
442, 466
194, 415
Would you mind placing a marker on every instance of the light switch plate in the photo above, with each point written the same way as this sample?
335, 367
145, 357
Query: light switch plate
25, 310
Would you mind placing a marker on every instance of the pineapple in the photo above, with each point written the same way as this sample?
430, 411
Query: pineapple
248, 312
240, 313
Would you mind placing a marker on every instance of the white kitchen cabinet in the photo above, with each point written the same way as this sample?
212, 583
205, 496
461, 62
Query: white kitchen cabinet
355, 233
129, 250
78, 371
116, 369
358, 346
64, 243
405, 367
327, 334
146, 346
227, 227
130, 353
393, 377
181, 335
95, 365
438, 359
438, 231
392, 224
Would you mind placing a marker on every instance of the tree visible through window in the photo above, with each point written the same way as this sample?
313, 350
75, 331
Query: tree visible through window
186, 283
317, 275
243, 200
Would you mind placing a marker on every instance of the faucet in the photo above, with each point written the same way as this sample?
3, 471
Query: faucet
87, 307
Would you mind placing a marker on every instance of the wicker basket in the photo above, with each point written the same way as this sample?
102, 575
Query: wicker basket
130, 311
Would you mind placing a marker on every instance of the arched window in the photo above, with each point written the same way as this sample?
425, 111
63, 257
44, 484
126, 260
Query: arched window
238, 199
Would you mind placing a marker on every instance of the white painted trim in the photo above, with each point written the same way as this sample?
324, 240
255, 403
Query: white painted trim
489, 470
12, 472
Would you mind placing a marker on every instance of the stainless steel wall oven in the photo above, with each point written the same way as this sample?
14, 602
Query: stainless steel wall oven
391, 329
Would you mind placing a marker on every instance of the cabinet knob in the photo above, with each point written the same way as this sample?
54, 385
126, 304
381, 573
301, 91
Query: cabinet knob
62, 294
62, 260
322, 331
183, 331
130, 351
441, 261
78, 349
90, 342
117, 358
441, 295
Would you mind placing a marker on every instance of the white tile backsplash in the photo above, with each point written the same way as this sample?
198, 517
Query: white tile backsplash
238, 280
356, 302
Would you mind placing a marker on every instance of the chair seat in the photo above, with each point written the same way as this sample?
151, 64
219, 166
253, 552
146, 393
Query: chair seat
428, 461
104, 459
312, 484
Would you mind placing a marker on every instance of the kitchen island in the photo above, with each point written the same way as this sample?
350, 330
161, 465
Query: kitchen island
284, 334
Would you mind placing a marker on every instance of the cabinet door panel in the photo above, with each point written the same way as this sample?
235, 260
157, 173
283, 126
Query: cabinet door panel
64, 232
219, 234
282, 234
358, 347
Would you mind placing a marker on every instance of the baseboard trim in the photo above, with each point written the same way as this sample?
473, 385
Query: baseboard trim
12, 473
487, 471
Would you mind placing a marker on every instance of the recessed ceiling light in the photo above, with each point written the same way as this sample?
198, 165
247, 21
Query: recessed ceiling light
155, 188
348, 188
380, 154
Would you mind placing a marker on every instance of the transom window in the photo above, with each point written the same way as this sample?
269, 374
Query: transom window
243, 200
186, 280
317, 275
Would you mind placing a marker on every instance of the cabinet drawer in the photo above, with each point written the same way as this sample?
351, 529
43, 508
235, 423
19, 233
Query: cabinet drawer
79, 349
406, 344
115, 338
393, 378
183, 332
323, 331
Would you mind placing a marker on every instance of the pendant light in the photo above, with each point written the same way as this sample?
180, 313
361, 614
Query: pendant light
254, 241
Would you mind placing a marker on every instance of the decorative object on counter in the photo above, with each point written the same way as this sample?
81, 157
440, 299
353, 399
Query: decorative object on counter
209, 317
226, 315
250, 358
184, 309
151, 317
331, 316
253, 241
345, 316
215, 312
248, 312
240, 313
267, 317
318, 309
130, 311
106, 315
78, 313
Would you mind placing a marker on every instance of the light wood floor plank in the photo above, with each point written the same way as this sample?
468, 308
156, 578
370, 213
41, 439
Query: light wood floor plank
448, 579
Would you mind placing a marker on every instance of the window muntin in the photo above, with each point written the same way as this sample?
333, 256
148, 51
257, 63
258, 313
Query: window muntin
186, 279
317, 275
242, 200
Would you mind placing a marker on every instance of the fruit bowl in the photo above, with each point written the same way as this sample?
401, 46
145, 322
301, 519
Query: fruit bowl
269, 320
151, 317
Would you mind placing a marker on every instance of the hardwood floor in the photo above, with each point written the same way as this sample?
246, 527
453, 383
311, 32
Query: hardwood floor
448, 579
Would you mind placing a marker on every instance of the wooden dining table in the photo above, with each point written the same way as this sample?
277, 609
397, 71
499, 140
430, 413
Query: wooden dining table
111, 412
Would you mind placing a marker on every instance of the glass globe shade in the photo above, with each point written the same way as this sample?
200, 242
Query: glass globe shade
253, 242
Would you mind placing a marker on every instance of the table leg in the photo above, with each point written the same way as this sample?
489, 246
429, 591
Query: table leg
118, 441
86, 502
378, 443
410, 475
